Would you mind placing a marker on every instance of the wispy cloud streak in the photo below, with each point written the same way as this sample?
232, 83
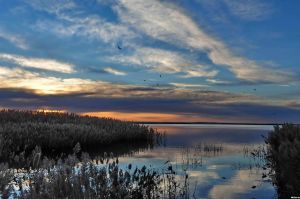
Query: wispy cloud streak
14, 39
165, 61
149, 17
114, 71
38, 63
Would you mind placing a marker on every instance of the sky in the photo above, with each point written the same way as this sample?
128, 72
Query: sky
153, 60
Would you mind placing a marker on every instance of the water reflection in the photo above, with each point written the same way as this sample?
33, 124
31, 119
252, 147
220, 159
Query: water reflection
186, 135
215, 158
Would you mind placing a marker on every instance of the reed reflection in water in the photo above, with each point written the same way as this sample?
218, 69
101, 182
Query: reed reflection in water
216, 157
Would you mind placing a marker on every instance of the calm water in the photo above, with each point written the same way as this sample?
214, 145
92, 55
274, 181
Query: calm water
215, 158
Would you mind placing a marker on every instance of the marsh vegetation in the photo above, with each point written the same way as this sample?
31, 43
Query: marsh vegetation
42, 156
82, 177
62, 155
283, 158
22, 131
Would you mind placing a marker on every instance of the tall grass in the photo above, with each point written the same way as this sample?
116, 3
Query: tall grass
22, 131
83, 178
283, 157
28, 172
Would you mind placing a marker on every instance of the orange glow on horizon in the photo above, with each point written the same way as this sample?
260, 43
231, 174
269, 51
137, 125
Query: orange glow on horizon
149, 117
50, 110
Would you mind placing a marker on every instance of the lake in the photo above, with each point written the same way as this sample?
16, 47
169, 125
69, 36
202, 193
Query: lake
217, 159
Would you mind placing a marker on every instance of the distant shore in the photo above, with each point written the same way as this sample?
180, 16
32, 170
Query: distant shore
214, 123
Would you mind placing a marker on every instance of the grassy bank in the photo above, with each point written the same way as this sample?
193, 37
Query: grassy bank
283, 157
22, 131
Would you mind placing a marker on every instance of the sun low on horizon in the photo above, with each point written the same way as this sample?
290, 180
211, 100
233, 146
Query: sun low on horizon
153, 60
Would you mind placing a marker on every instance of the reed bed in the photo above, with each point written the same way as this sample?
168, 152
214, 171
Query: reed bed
283, 158
79, 177
22, 131
29, 170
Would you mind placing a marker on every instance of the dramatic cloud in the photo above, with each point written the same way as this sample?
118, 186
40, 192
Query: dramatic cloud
149, 17
161, 21
39, 63
150, 57
16, 78
170, 108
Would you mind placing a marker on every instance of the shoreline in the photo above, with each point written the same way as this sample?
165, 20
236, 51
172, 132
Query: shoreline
213, 123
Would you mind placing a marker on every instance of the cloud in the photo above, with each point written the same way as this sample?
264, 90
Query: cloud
161, 21
201, 73
14, 39
73, 20
165, 61
17, 78
92, 27
216, 81
251, 10
39, 63
183, 108
114, 71
53, 6
293, 104
164, 22
184, 85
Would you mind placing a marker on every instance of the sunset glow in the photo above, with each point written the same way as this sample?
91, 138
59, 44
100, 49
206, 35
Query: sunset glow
151, 60
145, 117
50, 111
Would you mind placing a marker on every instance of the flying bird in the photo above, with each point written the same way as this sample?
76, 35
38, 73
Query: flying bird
119, 45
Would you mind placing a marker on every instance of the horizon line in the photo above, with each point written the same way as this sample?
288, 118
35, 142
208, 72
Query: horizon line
224, 123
